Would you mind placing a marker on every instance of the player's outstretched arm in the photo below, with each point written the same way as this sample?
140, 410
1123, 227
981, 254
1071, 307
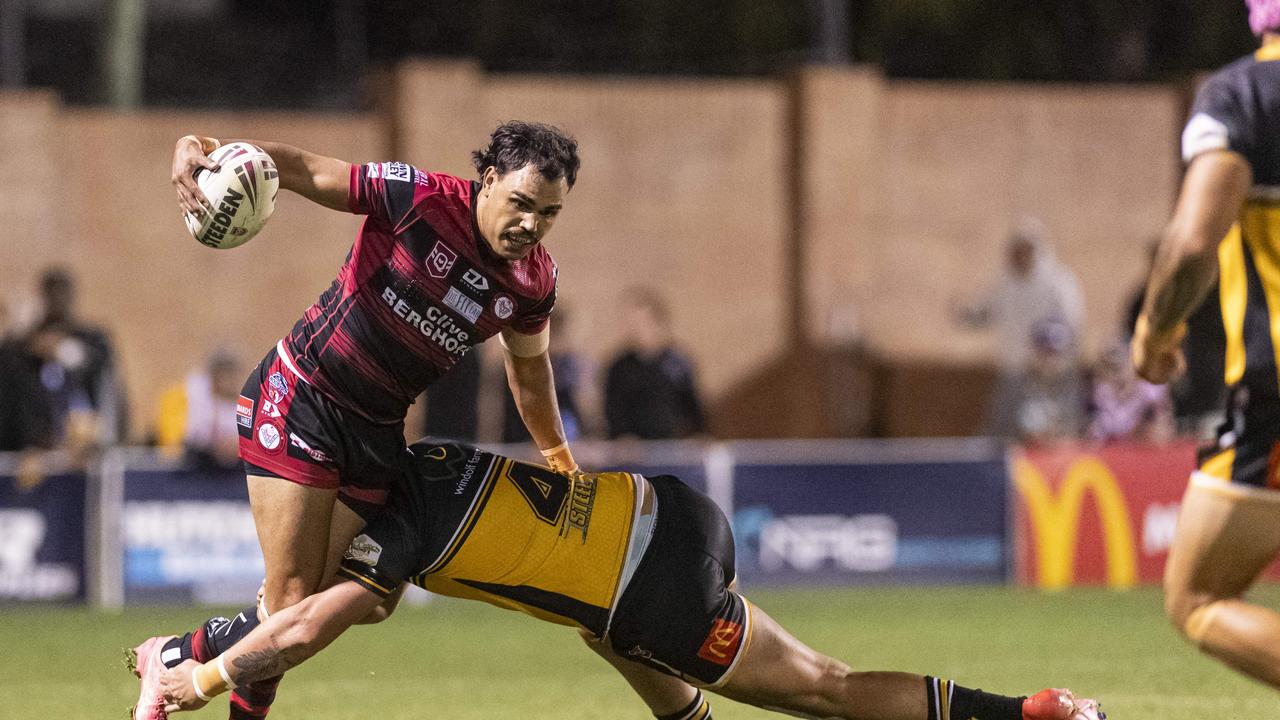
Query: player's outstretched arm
320, 179
1186, 264
285, 640
533, 386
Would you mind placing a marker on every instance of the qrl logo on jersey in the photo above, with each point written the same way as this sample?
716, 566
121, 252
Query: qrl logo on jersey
721, 645
441, 260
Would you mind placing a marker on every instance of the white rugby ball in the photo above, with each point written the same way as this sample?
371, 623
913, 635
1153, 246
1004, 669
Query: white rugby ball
242, 194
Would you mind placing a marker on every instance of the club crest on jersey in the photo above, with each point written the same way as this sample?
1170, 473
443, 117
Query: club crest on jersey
244, 412
269, 437
503, 306
277, 388
440, 261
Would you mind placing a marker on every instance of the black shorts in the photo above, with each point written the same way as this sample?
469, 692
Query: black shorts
291, 431
678, 614
1248, 446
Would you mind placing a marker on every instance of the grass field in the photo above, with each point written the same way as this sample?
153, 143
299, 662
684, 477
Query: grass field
459, 660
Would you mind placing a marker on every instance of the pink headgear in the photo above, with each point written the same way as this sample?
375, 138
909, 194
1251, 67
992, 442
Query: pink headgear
1264, 15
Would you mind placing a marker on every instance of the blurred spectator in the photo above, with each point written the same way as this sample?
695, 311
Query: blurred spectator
572, 371
452, 407
1034, 288
1051, 405
198, 416
64, 387
650, 391
1124, 406
1199, 396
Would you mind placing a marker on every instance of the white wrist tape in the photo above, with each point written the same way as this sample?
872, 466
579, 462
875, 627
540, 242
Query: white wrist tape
195, 684
226, 678
557, 449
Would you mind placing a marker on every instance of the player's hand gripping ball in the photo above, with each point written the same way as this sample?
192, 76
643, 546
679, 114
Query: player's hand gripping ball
241, 194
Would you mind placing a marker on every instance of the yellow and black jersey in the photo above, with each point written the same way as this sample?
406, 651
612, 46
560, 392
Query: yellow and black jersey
472, 524
1238, 109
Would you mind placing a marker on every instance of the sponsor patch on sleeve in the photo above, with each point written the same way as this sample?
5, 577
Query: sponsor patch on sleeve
395, 171
244, 412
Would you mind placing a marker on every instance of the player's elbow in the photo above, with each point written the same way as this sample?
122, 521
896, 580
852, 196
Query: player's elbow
302, 635
1187, 244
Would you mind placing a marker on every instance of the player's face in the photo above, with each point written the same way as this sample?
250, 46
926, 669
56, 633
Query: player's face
515, 211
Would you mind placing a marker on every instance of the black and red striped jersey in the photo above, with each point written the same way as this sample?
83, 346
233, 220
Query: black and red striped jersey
420, 288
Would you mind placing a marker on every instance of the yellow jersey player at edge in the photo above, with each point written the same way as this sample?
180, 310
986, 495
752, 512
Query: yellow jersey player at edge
439, 265
642, 566
1227, 223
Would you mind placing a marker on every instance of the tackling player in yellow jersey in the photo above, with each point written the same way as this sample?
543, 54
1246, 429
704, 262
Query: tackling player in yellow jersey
1227, 223
643, 566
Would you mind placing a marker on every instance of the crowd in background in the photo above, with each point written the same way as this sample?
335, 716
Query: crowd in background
62, 388
647, 391
1044, 390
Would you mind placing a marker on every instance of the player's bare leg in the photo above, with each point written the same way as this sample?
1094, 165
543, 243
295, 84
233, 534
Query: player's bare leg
666, 696
778, 672
296, 573
294, 523
1226, 535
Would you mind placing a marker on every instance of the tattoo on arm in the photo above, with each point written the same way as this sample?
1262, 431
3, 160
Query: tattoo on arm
1179, 290
261, 664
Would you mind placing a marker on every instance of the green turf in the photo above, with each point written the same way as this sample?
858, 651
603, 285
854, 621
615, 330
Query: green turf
465, 660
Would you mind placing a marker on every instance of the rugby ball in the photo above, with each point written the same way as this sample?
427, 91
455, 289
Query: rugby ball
242, 194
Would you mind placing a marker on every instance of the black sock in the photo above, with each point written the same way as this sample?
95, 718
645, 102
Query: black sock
211, 639
948, 701
697, 709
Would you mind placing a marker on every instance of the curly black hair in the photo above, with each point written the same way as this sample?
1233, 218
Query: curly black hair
512, 145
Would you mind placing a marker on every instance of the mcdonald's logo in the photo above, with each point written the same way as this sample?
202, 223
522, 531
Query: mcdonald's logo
721, 645
1055, 521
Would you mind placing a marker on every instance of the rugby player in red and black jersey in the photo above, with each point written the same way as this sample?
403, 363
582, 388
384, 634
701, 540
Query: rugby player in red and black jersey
440, 264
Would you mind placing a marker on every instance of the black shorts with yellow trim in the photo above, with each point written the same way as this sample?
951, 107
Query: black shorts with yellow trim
1247, 449
678, 614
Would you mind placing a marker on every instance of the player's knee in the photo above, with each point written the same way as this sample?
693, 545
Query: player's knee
286, 592
1190, 613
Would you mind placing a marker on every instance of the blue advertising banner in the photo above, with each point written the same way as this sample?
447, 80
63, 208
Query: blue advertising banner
189, 537
871, 522
42, 539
